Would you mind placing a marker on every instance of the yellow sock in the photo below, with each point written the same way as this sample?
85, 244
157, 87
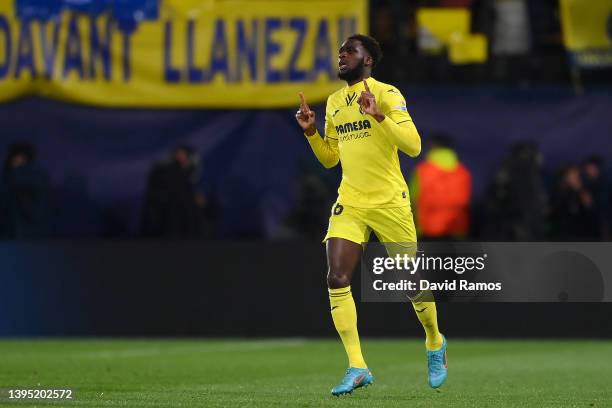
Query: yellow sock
426, 312
344, 315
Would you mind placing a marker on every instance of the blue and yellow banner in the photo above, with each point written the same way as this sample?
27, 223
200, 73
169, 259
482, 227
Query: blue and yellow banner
587, 31
175, 53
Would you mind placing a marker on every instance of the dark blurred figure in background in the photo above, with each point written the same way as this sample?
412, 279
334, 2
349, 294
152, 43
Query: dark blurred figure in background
384, 29
596, 184
524, 41
311, 212
574, 216
24, 195
173, 207
545, 26
516, 202
315, 195
441, 189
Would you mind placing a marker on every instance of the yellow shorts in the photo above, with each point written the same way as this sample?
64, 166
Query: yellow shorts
356, 224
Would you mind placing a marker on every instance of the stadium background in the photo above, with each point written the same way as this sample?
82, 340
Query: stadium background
87, 268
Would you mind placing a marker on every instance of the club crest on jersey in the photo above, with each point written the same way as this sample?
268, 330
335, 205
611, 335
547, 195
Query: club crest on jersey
353, 126
350, 98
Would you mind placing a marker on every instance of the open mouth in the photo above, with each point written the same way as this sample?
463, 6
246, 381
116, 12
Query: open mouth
343, 66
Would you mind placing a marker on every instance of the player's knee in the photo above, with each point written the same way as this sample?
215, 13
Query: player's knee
337, 279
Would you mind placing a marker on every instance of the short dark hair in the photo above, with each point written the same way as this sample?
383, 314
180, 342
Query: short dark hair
185, 148
22, 148
595, 160
371, 45
442, 139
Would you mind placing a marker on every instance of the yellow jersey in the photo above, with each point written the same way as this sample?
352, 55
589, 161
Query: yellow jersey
367, 149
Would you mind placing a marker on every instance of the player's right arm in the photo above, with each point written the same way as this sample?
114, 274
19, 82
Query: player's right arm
325, 149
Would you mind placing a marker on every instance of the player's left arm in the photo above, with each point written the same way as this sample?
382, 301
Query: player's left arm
393, 116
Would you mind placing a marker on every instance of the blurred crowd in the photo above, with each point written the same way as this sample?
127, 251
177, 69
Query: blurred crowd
173, 207
521, 202
524, 43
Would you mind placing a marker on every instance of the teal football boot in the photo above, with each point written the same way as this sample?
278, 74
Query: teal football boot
354, 378
437, 366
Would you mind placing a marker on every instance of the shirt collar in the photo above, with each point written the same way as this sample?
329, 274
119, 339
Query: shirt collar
359, 85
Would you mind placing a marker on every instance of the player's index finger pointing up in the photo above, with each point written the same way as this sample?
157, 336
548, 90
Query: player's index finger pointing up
303, 103
367, 88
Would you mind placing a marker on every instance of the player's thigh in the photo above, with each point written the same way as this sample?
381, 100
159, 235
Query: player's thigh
348, 223
395, 228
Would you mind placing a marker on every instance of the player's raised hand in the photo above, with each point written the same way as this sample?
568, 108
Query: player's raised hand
305, 117
367, 103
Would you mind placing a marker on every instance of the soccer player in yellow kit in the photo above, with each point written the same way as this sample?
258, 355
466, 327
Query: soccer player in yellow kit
366, 122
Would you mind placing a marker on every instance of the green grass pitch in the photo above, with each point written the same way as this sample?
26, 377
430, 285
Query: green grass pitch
294, 372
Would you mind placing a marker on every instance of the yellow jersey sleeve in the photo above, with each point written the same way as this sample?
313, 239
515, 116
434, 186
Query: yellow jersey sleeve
393, 106
398, 125
326, 149
331, 136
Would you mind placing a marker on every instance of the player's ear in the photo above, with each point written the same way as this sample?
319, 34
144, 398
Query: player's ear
368, 61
